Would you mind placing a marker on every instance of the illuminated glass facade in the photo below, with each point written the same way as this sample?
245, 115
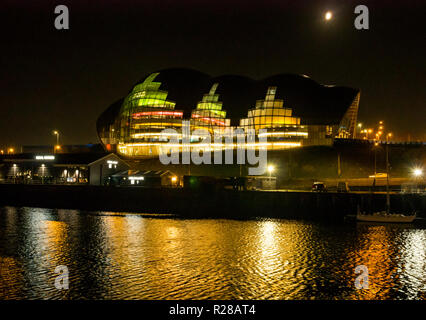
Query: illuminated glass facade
269, 114
312, 114
282, 127
145, 113
209, 114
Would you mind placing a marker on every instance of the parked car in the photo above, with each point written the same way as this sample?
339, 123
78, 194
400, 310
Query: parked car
319, 187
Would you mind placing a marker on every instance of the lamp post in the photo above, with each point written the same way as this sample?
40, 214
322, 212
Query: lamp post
360, 128
376, 144
57, 140
417, 173
270, 170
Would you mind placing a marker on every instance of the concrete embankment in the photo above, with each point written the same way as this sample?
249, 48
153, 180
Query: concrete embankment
206, 203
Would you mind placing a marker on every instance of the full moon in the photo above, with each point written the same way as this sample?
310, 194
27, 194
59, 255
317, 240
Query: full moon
328, 15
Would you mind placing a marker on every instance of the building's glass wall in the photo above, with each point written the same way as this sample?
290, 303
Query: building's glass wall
138, 129
145, 113
269, 114
209, 114
283, 128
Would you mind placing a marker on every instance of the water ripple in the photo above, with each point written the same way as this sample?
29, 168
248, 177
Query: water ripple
136, 256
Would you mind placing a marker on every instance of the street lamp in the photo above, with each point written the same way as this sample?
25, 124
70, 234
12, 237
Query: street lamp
270, 170
417, 173
57, 141
360, 128
376, 144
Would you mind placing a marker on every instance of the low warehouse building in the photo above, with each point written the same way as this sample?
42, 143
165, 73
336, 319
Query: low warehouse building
73, 168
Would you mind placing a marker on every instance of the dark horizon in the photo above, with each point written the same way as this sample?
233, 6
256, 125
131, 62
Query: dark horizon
64, 79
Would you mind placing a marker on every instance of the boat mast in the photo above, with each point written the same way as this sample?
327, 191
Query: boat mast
387, 175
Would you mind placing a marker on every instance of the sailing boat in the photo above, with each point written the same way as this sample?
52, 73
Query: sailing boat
385, 216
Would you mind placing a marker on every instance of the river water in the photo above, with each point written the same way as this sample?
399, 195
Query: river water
132, 256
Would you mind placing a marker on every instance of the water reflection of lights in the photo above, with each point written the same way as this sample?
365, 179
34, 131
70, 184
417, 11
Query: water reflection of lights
375, 248
413, 262
12, 274
47, 243
172, 232
268, 238
134, 225
133, 257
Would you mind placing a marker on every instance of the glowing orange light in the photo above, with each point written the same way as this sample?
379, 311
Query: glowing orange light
158, 113
206, 119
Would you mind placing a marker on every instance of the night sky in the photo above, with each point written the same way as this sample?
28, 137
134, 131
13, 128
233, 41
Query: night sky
63, 79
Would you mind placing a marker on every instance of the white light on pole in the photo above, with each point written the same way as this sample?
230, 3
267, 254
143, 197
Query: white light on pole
417, 172
270, 170
57, 147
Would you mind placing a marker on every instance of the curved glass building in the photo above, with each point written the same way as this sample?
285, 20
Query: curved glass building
289, 110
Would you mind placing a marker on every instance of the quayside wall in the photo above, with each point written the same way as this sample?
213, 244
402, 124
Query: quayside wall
207, 203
